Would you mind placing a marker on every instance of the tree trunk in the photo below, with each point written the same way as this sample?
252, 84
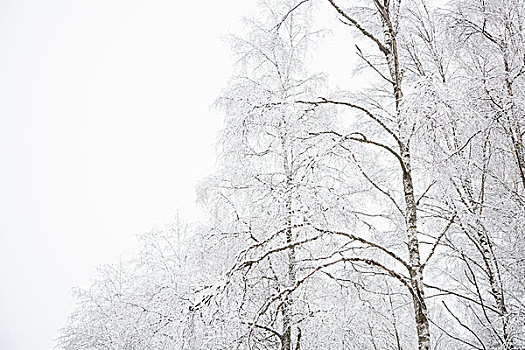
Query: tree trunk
286, 340
416, 274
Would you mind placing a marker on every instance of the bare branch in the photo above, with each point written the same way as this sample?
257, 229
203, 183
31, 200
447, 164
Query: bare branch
363, 139
266, 328
369, 243
361, 55
365, 32
278, 25
360, 108
438, 240
465, 326
365, 175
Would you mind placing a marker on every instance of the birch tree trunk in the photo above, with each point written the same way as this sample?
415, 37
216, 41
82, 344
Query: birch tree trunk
291, 273
416, 273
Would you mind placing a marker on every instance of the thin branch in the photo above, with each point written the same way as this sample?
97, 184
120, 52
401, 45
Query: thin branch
248, 263
266, 328
365, 32
465, 326
299, 282
450, 222
425, 192
363, 139
454, 337
361, 55
367, 242
377, 186
462, 296
360, 108
278, 26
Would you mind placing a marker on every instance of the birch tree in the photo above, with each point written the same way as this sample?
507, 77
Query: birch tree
265, 192
385, 215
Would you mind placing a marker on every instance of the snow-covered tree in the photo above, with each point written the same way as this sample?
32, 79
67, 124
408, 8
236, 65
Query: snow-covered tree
385, 215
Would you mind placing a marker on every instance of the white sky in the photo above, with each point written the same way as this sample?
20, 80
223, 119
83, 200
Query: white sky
105, 129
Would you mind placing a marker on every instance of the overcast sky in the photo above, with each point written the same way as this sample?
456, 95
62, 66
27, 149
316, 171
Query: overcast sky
105, 128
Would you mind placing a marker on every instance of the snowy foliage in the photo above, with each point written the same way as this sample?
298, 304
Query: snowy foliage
400, 227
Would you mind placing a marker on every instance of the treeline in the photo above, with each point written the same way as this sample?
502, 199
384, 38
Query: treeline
385, 216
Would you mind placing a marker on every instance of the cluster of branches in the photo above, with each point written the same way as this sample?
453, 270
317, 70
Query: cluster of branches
391, 217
